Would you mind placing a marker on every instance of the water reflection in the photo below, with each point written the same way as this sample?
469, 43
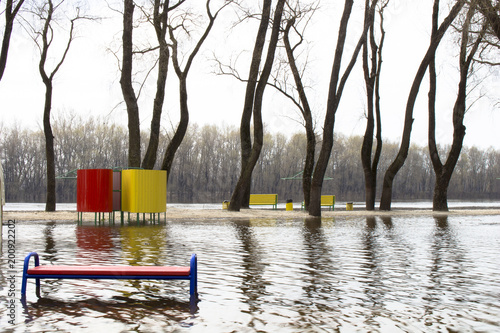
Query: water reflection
320, 288
349, 274
372, 265
253, 285
446, 272
318, 261
96, 244
121, 311
387, 220
143, 245
50, 244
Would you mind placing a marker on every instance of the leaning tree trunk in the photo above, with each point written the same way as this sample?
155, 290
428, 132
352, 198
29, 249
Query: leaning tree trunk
180, 132
335, 90
160, 21
445, 172
246, 117
10, 15
182, 75
241, 193
397, 164
134, 131
306, 113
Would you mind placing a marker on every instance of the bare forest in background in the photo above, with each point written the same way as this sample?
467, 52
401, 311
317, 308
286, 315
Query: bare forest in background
207, 164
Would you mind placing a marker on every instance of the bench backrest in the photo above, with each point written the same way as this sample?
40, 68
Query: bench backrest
263, 199
327, 200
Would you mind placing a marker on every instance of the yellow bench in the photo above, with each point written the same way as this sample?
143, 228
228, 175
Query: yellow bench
264, 199
326, 200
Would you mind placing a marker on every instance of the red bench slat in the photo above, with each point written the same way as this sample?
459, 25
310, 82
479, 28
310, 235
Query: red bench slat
110, 270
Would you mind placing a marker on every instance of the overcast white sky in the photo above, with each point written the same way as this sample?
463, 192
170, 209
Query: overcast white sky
88, 83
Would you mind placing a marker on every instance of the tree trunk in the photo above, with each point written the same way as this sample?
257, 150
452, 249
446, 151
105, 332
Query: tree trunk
367, 146
50, 204
307, 115
134, 149
180, 132
334, 95
386, 199
445, 172
245, 132
240, 191
160, 20
372, 81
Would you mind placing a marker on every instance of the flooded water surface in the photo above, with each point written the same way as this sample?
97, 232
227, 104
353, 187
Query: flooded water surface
399, 274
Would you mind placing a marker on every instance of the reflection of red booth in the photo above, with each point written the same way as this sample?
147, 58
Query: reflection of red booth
94, 190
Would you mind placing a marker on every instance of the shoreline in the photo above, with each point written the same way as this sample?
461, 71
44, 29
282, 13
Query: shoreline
209, 214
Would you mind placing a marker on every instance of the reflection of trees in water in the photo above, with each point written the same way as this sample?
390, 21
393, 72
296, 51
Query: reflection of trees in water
386, 261
253, 285
319, 260
49, 256
319, 282
447, 267
372, 265
50, 252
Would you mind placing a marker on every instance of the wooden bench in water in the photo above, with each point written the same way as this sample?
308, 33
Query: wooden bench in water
110, 272
264, 199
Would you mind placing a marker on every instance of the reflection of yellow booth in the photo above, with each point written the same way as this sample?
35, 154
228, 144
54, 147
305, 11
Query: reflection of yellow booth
143, 246
144, 191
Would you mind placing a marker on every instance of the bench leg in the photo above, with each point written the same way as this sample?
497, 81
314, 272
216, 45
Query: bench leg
23, 285
193, 281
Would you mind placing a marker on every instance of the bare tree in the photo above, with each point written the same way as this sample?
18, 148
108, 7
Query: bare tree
372, 83
160, 23
296, 19
468, 48
246, 116
336, 87
158, 17
242, 189
386, 199
182, 76
11, 11
134, 145
44, 38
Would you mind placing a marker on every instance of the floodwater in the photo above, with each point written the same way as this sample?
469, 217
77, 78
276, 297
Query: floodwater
399, 274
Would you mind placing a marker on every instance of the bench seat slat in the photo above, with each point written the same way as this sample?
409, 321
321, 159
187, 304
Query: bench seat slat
110, 270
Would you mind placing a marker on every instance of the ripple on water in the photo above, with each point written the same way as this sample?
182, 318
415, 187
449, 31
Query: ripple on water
404, 274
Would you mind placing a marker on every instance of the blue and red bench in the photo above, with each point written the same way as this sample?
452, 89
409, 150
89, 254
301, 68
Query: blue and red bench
110, 272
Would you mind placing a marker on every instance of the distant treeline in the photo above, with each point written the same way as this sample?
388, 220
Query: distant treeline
207, 164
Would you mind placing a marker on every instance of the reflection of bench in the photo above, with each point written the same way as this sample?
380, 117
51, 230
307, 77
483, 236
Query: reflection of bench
264, 199
326, 200
110, 272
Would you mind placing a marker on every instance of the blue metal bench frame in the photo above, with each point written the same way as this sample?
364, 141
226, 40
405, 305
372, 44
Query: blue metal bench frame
192, 277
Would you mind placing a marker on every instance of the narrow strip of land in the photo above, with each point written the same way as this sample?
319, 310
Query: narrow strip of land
206, 214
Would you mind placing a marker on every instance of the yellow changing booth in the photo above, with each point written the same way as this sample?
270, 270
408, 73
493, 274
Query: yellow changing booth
144, 191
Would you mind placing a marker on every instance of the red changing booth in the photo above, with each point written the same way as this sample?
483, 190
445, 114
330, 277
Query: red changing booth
94, 190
